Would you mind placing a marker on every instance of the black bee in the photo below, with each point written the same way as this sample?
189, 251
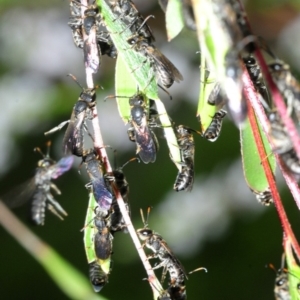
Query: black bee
162, 66
106, 44
126, 10
287, 84
88, 25
101, 190
140, 132
214, 129
117, 222
39, 188
185, 177
103, 238
282, 144
98, 277
265, 197
160, 249
256, 76
73, 138
216, 96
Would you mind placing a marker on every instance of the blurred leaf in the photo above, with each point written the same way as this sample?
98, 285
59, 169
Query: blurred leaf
126, 86
253, 169
89, 229
174, 19
205, 111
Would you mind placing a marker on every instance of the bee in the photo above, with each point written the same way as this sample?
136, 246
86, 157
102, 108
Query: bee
117, 222
162, 66
106, 44
287, 85
88, 25
264, 197
185, 177
98, 277
140, 132
217, 97
101, 190
282, 144
73, 139
214, 129
103, 238
160, 249
256, 77
39, 188
126, 10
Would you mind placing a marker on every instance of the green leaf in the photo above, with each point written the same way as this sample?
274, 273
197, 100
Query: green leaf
125, 87
89, 233
174, 19
205, 111
253, 169
72, 282
169, 133
137, 65
89, 229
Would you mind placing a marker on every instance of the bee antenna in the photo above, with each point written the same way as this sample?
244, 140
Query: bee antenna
130, 160
114, 96
198, 269
171, 98
148, 213
75, 79
48, 148
143, 218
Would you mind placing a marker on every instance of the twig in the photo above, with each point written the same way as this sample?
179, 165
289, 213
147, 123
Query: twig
99, 146
251, 95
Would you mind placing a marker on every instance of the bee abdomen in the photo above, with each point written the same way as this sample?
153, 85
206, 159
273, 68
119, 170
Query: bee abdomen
98, 277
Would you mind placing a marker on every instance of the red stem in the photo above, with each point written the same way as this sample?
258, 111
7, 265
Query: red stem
252, 98
280, 104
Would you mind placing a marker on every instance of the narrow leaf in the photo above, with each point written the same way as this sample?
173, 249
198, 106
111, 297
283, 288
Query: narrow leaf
205, 111
174, 19
126, 86
89, 231
253, 169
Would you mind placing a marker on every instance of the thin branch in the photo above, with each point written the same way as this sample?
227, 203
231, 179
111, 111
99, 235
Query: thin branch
100, 147
251, 95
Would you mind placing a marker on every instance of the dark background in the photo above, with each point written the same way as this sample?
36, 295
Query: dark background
228, 232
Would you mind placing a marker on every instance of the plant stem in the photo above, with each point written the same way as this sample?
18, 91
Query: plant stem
252, 97
100, 147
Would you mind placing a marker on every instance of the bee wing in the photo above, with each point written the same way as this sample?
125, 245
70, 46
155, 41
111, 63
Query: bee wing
62, 166
146, 143
74, 134
164, 63
102, 195
174, 258
92, 52
103, 244
20, 194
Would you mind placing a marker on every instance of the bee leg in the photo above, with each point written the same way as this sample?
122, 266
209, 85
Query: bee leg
59, 127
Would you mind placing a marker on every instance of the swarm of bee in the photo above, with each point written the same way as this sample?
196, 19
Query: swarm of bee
88, 28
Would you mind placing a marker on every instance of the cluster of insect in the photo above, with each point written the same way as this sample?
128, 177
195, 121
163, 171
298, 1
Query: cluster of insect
242, 45
104, 217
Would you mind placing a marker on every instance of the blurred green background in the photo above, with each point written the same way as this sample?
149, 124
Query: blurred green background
219, 225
